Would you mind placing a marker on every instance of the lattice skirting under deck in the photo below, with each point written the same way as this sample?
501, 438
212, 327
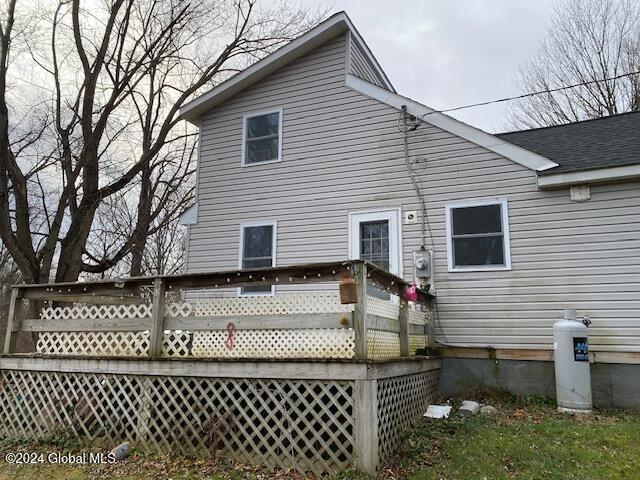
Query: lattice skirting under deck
303, 424
401, 401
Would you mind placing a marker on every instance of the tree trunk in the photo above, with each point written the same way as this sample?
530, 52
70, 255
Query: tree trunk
73, 245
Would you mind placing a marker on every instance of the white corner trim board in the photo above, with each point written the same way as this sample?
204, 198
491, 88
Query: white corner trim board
601, 175
490, 142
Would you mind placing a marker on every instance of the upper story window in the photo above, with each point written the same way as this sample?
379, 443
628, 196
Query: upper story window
262, 137
478, 236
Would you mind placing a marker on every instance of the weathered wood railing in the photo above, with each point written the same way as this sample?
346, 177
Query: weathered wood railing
320, 417
151, 317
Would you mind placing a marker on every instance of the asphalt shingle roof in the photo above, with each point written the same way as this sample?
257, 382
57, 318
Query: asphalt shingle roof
600, 143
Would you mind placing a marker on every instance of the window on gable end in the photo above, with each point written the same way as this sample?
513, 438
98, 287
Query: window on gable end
262, 138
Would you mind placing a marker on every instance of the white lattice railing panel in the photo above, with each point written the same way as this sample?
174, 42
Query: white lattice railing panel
286, 304
179, 310
382, 308
306, 425
267, 343
111, 344
307, 343
401, 400
416, 342
417, 316
96, 311
117, 344
176, 343
381, 344
303, 343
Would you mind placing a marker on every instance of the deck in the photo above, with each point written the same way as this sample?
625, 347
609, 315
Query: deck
300, 379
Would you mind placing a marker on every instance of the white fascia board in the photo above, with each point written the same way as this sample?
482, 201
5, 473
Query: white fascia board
601, 175
513, 152
315, 37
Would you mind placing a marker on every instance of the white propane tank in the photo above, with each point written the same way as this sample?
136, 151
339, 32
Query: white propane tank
571, 358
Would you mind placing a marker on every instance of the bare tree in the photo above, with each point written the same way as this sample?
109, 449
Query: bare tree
589, 41
106, 131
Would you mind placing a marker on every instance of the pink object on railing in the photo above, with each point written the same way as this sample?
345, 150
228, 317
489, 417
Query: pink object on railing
410, 293
231, 329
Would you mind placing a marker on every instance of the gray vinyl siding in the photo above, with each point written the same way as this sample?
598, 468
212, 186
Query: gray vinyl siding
342, 152
360, 66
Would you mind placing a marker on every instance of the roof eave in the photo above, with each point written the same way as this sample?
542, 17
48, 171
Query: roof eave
509, 150
600, 175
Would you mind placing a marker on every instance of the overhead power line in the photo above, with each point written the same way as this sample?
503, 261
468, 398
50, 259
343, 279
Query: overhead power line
532, 94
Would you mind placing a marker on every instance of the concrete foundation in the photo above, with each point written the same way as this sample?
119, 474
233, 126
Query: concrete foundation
613, 384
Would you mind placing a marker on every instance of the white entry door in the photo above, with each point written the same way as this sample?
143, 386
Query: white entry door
375, 236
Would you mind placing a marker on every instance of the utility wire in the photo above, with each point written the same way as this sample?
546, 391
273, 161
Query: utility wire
532, 94
412, 174
416, 179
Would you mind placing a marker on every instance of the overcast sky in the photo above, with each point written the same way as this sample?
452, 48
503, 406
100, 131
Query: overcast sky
446, 53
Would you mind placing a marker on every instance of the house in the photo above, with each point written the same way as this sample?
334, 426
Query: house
311, 155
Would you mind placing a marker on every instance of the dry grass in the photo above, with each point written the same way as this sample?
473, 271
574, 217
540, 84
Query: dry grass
527, 439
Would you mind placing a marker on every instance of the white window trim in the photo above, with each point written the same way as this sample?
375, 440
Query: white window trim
258, 223
392, 215
249, 115
505, 232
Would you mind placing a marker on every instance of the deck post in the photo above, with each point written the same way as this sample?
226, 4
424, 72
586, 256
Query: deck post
431, 324
366, 426
13, 322
403, 319
360, 324
157, 316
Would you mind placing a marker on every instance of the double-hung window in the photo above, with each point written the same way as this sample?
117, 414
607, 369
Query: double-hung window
257, 250
478, 236
262, 137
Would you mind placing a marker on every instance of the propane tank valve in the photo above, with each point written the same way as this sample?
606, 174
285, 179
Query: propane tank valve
586, 320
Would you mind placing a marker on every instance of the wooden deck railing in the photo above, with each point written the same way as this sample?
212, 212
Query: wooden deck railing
149, 315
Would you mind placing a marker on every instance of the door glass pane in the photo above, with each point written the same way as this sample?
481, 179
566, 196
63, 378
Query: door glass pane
374, 243
374, 247
257, 252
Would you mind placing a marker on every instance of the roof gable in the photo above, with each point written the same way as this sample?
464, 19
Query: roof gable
362, 63
364, 75
317, 36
